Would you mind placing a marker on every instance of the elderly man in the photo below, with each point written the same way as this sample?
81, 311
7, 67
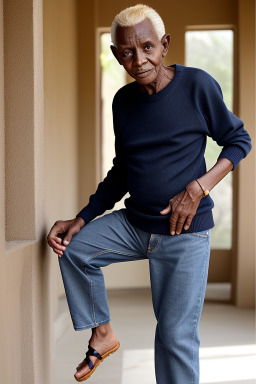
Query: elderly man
161, 121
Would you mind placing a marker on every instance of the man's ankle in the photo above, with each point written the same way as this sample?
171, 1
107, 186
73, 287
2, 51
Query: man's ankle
102, 330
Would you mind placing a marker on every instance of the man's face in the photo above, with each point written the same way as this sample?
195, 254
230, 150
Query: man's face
140, 51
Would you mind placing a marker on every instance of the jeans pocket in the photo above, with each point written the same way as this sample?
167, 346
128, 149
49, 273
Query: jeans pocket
204, 233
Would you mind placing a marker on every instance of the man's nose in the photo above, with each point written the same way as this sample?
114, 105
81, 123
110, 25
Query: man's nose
139, 58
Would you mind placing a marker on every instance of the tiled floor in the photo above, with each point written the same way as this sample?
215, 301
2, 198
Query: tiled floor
227, 353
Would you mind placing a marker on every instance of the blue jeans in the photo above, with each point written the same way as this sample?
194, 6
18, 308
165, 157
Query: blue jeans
178, 266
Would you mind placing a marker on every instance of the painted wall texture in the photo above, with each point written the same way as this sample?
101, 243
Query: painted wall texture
49, 156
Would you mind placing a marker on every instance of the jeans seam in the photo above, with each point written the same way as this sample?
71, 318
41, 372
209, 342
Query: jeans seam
93, 307
157, 245
197, 314
91, 295
106, 251
198, 234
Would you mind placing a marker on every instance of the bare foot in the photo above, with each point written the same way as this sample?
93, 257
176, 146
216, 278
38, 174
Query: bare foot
103, 339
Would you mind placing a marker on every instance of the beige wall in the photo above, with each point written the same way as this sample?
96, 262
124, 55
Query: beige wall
61, 115
245, 268
49, 157
26, 323
3, 288
38, 62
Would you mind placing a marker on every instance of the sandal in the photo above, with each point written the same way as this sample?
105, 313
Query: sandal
93, 352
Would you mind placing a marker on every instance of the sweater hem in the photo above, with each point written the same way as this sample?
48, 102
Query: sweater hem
200, 222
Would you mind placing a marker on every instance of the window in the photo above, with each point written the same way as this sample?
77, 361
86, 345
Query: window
113, 77
212, 50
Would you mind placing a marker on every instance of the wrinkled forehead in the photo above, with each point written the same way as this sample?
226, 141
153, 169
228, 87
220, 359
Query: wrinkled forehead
135, 34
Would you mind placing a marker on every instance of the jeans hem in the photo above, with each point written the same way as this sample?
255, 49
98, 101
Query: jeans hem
92, 325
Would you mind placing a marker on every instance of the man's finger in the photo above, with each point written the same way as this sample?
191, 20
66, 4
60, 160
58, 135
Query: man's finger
58, 239
59, 253
57, 246
179, 225
166, 210
67, 239
173, 221
188, 222
68, 236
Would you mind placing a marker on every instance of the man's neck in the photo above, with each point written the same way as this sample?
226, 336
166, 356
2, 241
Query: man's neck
164, 77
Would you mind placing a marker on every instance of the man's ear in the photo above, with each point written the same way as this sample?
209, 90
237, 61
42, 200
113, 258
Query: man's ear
165, 41
115, 53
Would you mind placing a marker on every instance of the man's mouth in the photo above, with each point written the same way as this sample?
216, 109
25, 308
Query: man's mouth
143, 73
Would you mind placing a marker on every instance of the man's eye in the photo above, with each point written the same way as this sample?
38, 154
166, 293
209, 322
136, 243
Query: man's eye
126, 54
148, 46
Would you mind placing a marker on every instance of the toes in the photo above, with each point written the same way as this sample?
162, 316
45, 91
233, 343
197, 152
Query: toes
82, 370
80, 374
79, 365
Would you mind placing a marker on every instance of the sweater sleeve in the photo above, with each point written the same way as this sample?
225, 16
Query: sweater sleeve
222, 125
114, 185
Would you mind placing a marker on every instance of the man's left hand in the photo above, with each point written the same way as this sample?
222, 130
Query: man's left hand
183, 207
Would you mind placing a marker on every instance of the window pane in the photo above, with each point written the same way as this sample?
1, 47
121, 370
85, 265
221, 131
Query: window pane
112, 78
212, 50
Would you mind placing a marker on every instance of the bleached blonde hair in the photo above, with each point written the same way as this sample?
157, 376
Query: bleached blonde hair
135, 14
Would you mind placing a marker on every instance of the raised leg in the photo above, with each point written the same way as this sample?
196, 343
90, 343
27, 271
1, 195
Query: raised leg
103, 241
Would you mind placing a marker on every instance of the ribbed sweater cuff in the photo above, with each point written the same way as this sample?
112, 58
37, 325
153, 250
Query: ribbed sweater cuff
88, 213
233, 153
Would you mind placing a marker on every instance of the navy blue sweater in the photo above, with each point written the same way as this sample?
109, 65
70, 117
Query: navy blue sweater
160, 143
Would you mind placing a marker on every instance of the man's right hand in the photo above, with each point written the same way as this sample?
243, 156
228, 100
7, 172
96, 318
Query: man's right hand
61, 233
